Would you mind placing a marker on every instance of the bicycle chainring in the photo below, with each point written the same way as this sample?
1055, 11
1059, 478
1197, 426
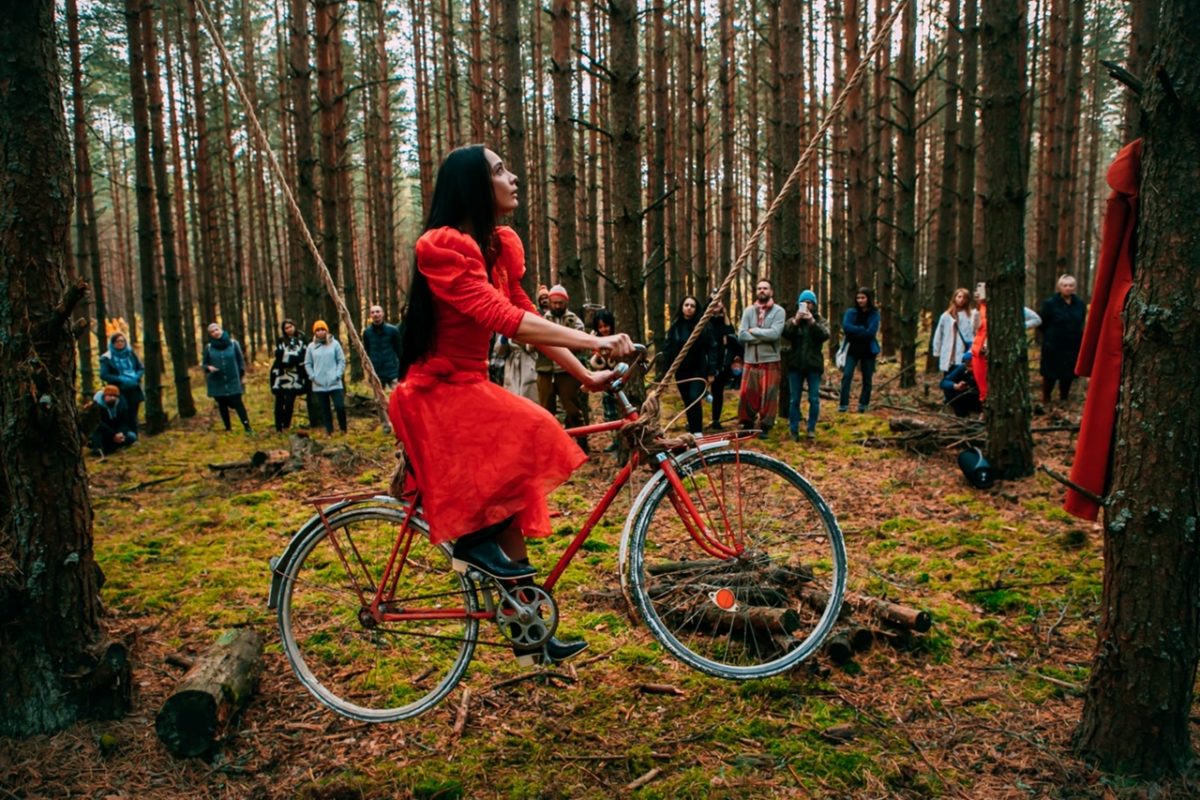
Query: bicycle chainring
527, 615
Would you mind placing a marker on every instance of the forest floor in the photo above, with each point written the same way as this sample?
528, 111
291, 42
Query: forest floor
982, 706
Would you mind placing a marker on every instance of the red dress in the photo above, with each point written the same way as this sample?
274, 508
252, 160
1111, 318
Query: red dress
477, 453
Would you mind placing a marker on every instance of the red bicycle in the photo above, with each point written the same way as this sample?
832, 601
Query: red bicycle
732, 559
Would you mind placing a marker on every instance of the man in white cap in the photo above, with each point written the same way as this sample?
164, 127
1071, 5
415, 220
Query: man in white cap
555, 383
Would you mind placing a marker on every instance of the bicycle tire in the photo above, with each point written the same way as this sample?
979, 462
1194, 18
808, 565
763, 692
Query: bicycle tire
387, 672
747, 616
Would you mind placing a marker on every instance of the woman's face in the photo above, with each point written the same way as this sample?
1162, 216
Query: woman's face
603, 328
119, 342
289, 329
960, 298
504, 184
214, 331
860, 300
689, 308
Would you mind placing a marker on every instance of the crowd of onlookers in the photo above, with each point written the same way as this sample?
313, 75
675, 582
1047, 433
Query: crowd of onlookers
770, 344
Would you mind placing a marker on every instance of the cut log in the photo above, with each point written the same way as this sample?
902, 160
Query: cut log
211, 694
894, 613
838, 648
861, 639
764, 620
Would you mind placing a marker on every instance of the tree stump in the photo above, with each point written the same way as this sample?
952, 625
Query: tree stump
211, 694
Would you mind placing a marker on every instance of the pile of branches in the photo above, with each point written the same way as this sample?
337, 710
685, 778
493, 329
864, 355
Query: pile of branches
931, 434
303, 453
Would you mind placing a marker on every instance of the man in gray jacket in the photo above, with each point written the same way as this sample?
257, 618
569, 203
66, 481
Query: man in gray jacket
325, 364
760, 331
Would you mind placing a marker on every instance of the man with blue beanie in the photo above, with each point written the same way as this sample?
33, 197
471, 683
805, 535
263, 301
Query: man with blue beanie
807, 332
962, 393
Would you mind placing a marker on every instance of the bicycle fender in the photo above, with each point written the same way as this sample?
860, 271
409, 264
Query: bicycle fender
279, 563
638, 502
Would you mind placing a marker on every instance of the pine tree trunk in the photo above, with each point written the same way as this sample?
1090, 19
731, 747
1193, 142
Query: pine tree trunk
1140, 693
156, 418
840, 290
514, 119
1143, 35
207, 264
567, 257
1010, 444
791, 88
859, 232
87, 240
476, 88
184, 404
233, 286
1068, 171
55, 663
727, 64
187, 299
964, 271
906, 198
660, 261
306, 196
627, 174
944, 249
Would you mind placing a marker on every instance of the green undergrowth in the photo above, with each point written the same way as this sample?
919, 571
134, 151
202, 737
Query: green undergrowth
190, 554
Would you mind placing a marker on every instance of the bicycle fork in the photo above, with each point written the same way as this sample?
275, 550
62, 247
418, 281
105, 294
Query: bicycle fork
722, 544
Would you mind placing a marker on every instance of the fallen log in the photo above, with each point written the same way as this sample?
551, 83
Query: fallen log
861, 639
764, 620
893, 613
211, 694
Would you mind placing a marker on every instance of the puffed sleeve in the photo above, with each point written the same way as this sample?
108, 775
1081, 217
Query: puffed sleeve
512, 253
454, 267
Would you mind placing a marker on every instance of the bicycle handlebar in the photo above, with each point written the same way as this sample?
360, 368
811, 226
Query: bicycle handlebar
622, 368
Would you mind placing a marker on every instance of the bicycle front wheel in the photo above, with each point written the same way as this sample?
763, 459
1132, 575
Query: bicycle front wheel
357, 665
751, 584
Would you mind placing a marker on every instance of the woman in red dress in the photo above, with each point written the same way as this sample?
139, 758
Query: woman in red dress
483, 459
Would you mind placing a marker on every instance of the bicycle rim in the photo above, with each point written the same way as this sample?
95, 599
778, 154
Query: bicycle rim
374, 672
761, 589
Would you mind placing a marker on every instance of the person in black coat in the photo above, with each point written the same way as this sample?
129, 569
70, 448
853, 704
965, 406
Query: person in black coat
1061, 333
727, 349
960, 389
115, 427
381, 340
288, 378
696, 372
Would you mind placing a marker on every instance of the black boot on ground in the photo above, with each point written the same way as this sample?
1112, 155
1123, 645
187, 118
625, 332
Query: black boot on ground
553, 651
481, 551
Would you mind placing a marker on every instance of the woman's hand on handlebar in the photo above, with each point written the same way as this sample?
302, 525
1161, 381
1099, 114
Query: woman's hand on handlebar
598, 380
618, 345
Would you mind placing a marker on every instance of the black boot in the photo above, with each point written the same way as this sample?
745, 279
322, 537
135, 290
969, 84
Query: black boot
481, 551
554, 650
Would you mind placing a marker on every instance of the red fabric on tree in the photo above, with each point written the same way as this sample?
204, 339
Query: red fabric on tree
1100, 353
979, 362
477, 453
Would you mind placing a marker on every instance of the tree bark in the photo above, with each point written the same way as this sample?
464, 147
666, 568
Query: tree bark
55, 663
1010, 444
156, 418
1139, 696
207, 264
906, 198
1143, 34
87, 241
627, 173
567, 257
964, 270
306, 196
514, 120
659, 259
944, 249
187, 299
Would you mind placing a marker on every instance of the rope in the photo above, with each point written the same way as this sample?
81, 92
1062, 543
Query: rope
647, 428
297, 217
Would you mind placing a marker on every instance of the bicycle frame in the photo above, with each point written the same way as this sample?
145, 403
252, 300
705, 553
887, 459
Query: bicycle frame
377, 601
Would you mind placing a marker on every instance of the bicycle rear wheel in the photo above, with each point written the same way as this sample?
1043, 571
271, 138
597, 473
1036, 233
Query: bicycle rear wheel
755, 592
362, 668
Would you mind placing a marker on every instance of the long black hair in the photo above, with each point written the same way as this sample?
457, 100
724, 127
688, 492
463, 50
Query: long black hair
680, 318
463, 199
870, 293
